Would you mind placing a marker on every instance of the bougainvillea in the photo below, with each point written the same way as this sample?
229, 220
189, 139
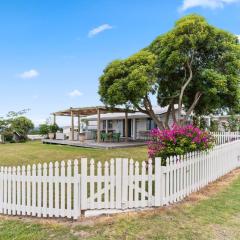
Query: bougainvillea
178, 141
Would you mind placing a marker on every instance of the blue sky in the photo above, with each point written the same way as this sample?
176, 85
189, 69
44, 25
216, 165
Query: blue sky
53, 52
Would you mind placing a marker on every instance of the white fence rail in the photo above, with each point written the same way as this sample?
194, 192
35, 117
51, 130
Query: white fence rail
59, 190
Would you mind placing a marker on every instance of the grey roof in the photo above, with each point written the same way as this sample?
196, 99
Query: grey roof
158, 110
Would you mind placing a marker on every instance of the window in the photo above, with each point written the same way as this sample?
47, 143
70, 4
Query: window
150, 124
110, 124
104, 124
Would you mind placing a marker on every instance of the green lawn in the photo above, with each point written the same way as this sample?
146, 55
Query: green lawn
35, 152
209, 216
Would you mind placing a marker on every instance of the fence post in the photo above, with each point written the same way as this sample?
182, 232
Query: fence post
118, 183
124, 183
158, 181
83, 180
1, 189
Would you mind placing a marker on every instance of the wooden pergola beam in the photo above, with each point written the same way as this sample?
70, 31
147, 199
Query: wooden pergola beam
87, 111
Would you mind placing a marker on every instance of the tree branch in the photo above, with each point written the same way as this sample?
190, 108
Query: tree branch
166, 123
183, 88
148, 106
140, 109
196, 99
174, 114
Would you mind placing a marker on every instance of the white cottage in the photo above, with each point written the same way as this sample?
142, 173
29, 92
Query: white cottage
139, 124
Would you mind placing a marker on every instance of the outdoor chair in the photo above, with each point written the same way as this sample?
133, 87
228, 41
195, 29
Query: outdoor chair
116, 137
104, 137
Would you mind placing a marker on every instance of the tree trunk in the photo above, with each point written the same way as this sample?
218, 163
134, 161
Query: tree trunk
166, 122
183, 88
149, 111
155, 118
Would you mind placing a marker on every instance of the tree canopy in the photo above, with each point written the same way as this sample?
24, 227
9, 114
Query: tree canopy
195, 65
15, 122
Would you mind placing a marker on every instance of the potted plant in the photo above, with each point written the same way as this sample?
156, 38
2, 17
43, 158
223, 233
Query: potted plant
52, 131
44, 130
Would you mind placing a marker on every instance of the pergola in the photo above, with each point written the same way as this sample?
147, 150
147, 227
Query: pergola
88, 111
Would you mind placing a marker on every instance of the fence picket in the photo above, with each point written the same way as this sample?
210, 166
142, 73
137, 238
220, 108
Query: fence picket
131, 184
124, 183
76, 197
50, 190
63, 193
28, 190
69, 189
150, 186
39, 172
34, 203
57, 188
118, 183
106, 185
99, 184
112, 184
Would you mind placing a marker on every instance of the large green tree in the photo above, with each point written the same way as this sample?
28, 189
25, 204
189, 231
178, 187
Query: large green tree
198, 67
194, 65
15, 122
22, 125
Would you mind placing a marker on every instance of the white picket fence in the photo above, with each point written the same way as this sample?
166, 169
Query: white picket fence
224, 137
42, 190
59, 190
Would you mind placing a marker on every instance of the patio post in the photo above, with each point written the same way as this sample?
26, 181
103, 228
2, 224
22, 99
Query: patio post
134, 128
79, 123
72, 117
54, 119
106, 130
126, 126
98, 125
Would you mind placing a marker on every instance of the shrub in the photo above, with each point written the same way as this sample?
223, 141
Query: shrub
22, 126
44, 129
178, 141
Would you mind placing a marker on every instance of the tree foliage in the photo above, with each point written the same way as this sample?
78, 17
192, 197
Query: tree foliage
14, 122
131, 82
195, 65
21, 125
198, 67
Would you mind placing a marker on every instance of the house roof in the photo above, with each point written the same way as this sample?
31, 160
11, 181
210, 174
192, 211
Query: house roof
120, 115
88, 111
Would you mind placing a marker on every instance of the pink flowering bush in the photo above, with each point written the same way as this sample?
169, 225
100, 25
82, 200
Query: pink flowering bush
178, 141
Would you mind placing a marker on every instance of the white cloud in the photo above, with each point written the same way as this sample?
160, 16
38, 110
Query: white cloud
75, 93
29, 74
213, 4
99, 29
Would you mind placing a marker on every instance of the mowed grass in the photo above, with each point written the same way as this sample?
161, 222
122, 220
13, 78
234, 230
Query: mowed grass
35, 152
207, 216
214, 215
